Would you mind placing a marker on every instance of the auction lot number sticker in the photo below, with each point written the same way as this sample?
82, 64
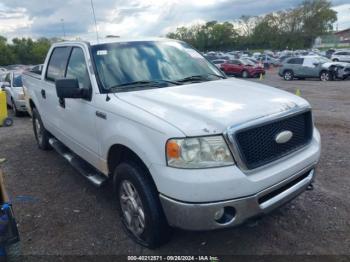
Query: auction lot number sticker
173, 258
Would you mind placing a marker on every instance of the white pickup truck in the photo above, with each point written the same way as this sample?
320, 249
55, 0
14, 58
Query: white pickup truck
183, 145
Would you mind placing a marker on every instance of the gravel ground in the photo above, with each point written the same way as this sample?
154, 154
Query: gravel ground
59, 213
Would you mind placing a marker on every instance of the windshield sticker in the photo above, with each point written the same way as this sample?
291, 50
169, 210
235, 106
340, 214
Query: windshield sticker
102, 52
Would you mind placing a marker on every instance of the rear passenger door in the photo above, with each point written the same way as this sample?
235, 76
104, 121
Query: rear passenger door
46, 94
77, 116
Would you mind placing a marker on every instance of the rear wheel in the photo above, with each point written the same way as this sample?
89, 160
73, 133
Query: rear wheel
245, 74
288, 75
42, 136
139, 205
325, 76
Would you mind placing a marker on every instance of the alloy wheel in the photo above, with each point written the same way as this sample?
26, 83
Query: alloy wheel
132, 208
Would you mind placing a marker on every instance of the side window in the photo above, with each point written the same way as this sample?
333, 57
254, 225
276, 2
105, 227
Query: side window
291, 61
77, 68
295, 61
300, 61
57, 63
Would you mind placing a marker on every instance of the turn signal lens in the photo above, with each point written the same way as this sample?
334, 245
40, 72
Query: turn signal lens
173, 150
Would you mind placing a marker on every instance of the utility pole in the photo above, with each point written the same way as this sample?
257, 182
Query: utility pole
93, 12
63, 29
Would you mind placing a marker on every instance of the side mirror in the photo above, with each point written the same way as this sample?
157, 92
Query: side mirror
5, 84
316, 64
69, 88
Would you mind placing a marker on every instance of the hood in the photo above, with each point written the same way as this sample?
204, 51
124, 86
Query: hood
328, 64
211, 107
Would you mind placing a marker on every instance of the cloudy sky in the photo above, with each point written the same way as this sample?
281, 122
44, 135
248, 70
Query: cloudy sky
35, 18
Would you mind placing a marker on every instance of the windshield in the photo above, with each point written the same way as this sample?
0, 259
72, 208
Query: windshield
17, 80
322, 60
133, 62
247, 62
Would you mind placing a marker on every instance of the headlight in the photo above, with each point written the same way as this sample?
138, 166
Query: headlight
198, 152
20, 96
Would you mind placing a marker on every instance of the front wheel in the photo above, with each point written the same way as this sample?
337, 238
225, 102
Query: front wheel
42, 136
139, 205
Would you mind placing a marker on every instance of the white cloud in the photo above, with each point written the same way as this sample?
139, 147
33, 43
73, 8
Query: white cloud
12, 20
130, 17
343, 16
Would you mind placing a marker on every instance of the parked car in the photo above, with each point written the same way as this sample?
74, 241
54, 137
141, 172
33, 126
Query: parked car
304, 67
12, 84
182, 145
268, 60
219, 62
341, 56
330, 52
338, 70
242, 67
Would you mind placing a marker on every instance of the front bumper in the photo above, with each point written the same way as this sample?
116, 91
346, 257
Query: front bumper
201, 216
21, 105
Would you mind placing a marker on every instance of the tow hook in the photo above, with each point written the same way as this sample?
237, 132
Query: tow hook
310, 187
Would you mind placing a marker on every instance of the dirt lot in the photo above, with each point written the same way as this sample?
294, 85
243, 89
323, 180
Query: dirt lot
58, 212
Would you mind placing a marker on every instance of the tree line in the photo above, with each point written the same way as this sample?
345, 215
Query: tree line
295, 28
23, 51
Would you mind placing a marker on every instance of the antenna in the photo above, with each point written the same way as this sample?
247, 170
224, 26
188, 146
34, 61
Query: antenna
93, 12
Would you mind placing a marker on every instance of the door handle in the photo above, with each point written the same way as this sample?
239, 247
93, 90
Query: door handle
43, 93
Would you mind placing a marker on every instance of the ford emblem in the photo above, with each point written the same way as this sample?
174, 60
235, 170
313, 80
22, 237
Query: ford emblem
283, 137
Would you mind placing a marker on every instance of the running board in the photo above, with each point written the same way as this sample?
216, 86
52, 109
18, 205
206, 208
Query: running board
83, 167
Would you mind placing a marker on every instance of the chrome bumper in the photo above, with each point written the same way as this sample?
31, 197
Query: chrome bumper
201, 216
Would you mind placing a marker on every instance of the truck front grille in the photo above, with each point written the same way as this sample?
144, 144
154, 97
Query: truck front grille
257, 144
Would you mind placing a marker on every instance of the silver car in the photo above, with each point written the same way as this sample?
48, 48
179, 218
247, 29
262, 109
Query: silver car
341, 56
11, 82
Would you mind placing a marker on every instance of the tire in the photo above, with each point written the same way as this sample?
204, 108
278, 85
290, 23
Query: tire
288, 75
14, 108
42, 136
245, 74
325, 76
8, 121
143, 202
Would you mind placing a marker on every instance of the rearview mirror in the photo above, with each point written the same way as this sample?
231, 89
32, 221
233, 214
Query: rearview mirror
69, 88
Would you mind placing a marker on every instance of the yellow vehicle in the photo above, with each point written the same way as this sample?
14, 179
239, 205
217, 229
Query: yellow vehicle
4, 119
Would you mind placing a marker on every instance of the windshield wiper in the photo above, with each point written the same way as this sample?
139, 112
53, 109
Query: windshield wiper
199, 78
143, 84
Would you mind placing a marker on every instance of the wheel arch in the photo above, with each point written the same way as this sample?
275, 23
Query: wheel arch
119, 153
